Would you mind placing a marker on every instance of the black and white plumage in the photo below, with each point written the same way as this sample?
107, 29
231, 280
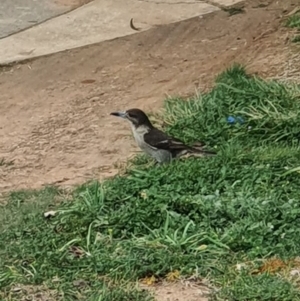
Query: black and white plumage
162, 147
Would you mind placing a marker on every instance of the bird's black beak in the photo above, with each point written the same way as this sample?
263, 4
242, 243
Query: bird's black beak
119, 114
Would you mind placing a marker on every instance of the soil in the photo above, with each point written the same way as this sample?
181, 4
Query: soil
179, 291
55, 126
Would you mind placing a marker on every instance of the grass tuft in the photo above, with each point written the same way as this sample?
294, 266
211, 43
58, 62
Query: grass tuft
194, 216
293, 21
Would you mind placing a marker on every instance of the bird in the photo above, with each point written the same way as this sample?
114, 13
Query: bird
154, 142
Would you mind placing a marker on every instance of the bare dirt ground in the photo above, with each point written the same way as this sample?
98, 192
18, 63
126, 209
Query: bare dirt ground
55, 125
179, 291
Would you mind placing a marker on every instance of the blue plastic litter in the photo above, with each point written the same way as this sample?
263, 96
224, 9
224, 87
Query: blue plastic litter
233, 120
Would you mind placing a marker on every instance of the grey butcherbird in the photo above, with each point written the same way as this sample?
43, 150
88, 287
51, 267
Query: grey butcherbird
154, 142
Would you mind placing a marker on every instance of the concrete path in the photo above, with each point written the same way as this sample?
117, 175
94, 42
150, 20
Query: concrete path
97, 21
16, 15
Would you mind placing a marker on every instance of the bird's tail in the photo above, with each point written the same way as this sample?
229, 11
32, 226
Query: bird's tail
197, 148
195, 152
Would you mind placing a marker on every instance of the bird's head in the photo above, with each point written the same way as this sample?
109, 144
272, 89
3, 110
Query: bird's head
136, 116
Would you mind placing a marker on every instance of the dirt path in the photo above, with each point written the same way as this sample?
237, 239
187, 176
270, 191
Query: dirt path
55, 125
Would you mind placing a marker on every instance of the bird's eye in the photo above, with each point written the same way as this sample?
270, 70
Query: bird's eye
132, 115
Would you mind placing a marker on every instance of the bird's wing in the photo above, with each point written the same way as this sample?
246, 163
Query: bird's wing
158, 139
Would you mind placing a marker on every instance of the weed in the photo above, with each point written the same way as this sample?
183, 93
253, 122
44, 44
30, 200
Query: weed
203, 216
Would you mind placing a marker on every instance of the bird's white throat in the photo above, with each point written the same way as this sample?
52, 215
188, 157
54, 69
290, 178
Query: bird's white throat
138, 134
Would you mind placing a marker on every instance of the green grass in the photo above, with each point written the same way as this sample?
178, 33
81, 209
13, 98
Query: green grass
202, 217
293, 21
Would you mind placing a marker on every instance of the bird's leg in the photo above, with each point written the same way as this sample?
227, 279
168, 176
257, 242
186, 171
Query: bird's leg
159, 163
